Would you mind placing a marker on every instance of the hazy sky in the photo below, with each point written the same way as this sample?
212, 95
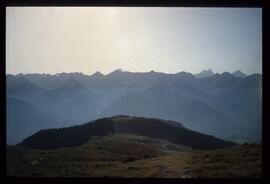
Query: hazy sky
170, 40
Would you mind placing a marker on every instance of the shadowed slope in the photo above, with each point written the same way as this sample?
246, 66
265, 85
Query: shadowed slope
149, 127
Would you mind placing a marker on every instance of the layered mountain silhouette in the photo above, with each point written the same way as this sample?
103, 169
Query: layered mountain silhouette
71, 102
227, 105
204, 73
148, 127
97, 75
24, 119
238, 73
21, 87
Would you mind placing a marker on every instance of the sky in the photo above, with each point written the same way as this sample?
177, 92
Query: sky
137, 39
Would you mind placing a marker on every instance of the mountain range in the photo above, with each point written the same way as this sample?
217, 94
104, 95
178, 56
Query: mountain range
227, 105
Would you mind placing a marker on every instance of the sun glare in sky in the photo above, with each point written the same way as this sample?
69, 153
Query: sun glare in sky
138, 39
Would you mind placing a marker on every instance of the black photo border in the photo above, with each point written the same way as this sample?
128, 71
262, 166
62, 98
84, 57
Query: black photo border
132, 3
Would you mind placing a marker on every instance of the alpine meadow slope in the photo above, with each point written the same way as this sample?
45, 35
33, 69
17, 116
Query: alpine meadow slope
124, 146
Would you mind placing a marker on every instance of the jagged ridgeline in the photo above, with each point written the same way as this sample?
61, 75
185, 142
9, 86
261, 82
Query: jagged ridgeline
150, 127
227, 105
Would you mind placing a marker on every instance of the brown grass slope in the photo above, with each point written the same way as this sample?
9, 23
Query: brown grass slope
122, 155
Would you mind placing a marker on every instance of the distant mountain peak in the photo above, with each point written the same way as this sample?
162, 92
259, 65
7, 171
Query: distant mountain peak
98, 74
225, 73
20, 75
59, 74
239, 73
21, 84
71, 74
185, 74
204, 73
116, 72
207, 71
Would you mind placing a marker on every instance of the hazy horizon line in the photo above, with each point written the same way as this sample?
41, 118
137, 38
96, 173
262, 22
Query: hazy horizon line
119, 69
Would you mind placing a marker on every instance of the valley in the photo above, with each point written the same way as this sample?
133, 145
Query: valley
225, 105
